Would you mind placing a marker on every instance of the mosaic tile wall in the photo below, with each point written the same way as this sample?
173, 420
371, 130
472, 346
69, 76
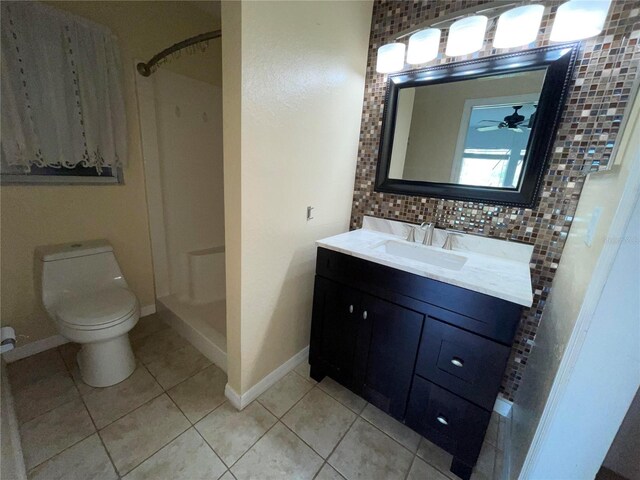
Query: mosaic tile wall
605, 71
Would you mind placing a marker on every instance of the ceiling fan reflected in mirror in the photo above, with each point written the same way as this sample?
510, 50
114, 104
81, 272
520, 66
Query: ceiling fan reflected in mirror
514, 122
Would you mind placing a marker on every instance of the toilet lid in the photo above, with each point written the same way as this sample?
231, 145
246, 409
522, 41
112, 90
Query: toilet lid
96, 309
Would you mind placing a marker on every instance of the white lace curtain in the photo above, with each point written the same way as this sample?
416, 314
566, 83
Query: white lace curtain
62, 101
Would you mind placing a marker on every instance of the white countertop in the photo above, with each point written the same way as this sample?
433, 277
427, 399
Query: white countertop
494, 267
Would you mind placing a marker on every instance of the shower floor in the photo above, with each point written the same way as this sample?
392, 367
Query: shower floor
205, 325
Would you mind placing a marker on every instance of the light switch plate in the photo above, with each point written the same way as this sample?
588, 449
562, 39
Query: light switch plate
593, 226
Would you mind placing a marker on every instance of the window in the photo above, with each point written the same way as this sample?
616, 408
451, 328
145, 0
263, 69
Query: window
63, 117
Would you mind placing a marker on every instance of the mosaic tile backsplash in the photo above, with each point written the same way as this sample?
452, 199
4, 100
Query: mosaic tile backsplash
605, 72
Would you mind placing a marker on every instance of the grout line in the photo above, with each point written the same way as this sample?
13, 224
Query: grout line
253, 444
164, 445
151, 455
339, 442
387, 435
97, 432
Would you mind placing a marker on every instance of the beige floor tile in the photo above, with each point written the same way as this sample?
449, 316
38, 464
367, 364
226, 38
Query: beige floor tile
69, 352
421, 470
188, 457
177, 365
231, 433
50, 433
201, 393
327, 472
147, 326
396, 430
82, 387
32, 369
503, 425
157, 345
320, 421
303, 370
492, 430
85, 460
367, 453
278, 455
499, 467
343, 395
485, 464
228, 476
434, 455
40, 397
108, 404
285, 393
142, 432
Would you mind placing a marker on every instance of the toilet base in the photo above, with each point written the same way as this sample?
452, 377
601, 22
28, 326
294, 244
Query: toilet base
106, 363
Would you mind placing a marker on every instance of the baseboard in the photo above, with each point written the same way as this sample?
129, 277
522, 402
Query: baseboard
241, 401
502, 407
33, 348
147, 310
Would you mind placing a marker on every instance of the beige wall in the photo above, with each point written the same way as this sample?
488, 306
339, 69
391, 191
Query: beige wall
570, 285
38, 215
301, 82
438, 110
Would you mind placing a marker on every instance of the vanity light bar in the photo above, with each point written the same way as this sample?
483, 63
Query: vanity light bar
574, 20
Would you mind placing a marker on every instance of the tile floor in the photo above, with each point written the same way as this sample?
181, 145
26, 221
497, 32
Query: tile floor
170, 420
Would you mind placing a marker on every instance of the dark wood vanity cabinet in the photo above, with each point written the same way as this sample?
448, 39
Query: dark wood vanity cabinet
430, 354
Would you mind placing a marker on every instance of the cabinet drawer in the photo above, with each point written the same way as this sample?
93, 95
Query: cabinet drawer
462, 362
339, 267
447, 420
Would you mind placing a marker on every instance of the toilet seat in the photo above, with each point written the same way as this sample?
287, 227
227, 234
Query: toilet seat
95, 311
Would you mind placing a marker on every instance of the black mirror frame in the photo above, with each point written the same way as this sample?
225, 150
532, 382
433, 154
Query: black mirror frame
559, 60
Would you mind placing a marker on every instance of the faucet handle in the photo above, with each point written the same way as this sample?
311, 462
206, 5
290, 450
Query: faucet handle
412, 233
448, 243
428, 232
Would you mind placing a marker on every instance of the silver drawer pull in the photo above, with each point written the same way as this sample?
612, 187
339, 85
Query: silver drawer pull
364, 314
350, 308
458, 362
442, 420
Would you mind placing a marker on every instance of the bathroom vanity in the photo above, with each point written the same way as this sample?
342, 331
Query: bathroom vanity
420, 332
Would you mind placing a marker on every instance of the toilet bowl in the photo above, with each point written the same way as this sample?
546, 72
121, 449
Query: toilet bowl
86, 295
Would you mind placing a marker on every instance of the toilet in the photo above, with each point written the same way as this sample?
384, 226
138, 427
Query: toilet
86, 295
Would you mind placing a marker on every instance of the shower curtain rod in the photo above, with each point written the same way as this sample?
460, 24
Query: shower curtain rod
146, 69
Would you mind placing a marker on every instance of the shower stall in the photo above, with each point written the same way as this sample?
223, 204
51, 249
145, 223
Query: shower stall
181, 129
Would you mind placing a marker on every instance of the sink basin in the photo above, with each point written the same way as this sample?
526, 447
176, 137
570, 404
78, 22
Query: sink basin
422, 254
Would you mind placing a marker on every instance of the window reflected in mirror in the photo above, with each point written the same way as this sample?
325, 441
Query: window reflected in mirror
471, 132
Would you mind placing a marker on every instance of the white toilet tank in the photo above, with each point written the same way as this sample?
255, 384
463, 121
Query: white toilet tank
71, 269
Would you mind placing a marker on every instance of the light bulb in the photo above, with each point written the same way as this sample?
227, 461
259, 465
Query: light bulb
518, 26
466, 36
390, 58
578, 19
423, 46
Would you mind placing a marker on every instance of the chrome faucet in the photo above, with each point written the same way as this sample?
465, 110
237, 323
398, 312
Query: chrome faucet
448, 243
412, 234
428, 233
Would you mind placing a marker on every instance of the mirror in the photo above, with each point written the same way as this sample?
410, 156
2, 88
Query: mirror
479, 130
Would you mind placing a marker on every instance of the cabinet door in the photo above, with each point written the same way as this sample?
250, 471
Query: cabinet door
334, 330
394, 334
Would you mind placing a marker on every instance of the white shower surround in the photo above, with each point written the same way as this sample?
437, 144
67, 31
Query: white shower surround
181, 129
